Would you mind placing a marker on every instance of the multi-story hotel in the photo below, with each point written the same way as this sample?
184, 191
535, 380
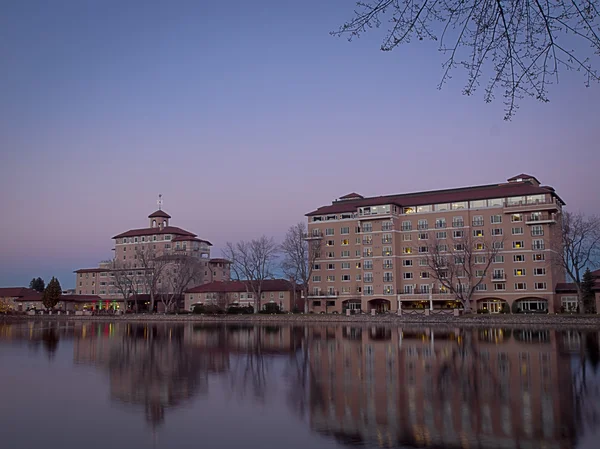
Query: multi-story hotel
160, 238
373, 253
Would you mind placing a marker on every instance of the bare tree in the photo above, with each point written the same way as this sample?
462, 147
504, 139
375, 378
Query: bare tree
252, 263
461, 264
299, 256
123, 282
576, 248
152, 268
178, 274
522, 45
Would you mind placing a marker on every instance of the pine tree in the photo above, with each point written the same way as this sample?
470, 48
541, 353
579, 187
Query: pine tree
52, 293
37, 284
587, 284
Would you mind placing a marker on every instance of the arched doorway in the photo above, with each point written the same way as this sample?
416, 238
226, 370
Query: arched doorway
492, 305
380, 305
530, 305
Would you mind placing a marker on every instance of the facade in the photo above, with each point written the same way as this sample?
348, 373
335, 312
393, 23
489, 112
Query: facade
20, 298
134, 247
567, 298
373, 249
277, 291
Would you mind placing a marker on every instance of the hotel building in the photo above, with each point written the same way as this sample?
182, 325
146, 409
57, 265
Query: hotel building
160, 238
373, 249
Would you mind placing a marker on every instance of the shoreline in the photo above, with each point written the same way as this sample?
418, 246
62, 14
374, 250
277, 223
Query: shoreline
590, 322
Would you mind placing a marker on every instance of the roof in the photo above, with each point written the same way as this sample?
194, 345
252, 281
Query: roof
190, 239
17, 292
269, 285
81, 298
159, 214
219, 260
569, 287
154, 231
440, 196
522, 176
351, 196
91, 270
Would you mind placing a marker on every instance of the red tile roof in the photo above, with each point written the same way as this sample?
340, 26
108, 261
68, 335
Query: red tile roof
154, 231
269, 285
159, 214
439, 196
16, 292
569, 287
190, 239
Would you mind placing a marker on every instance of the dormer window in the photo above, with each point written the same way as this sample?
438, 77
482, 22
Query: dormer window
153, 223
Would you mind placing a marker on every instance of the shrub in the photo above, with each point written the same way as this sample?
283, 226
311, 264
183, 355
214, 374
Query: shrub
198, 309
505, 308
271, 307
237, 310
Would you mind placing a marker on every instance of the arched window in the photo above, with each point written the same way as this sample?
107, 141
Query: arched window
153, 223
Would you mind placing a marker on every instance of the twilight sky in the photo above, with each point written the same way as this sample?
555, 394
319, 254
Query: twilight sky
244, 115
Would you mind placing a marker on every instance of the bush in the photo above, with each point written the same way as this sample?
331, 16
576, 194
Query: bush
237, 310
505, 308
208, 309
271, 307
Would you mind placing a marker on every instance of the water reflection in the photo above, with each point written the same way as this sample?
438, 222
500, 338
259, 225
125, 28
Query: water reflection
370, 386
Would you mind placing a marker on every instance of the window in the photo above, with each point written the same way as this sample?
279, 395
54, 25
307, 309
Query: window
459, 205
368, 289
406, 237
359, 277
496, 231
500, 286
358, 241
388, 277
539, 257
441, 235
408, 289
329, 231
498, 274
386, 238
442, 248
387, 226
387, 251
367, 240
424, 275
281, 295
478, 220
423, 236
569, 303
480, 246
480, 260
515, 218
498, 259
479, 273
345, 253
331, 278
422, 225
345, 278
426, 208
537, 244
458, 222
345, 230
368, 264
387, 263
537, 230
520, 286
517, 231
406, 226
443, 206
459, 247
330, 254
518, 245
345, 265
368, 252
422, 262
407, 275
317, 266
407, 250
539, 272
539, 285
424, 288
367, 227
481, 287
423, 249
345, 242
519, 271
495, 219
330, 243
407, 263
388, 289
368, 277
331, 266
440, 223
498, 245
458, 234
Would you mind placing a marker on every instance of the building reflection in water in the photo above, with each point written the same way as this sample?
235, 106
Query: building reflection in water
493, 388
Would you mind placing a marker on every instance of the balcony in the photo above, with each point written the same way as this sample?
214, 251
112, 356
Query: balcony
499, 277
323, 294
315, 235
542, 218
437, 296
523, 206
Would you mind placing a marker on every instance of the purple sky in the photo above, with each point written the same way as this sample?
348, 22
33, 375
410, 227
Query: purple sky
245, 116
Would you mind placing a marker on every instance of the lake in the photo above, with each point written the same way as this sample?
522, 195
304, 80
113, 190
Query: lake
86, 384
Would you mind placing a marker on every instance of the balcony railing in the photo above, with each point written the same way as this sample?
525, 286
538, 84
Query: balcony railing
540, 219
324, 294
478, 222
511, 207
313, 235
418, 296
499, 277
